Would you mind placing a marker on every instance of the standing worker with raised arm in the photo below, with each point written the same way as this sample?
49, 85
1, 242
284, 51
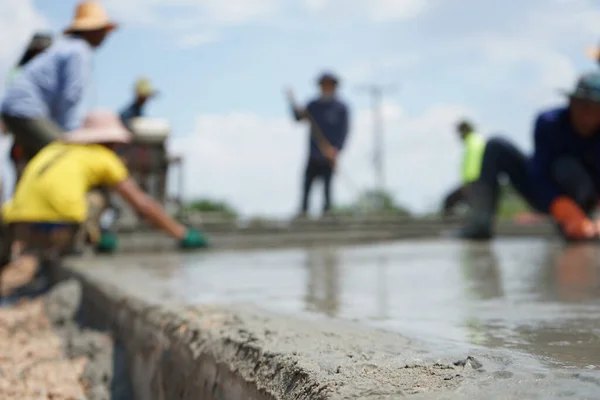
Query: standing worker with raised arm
471, 165
329, 119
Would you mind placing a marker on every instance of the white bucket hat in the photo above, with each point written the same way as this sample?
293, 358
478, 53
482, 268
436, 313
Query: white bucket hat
100, 126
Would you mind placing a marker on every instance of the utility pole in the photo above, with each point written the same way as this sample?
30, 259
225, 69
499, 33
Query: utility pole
376, 92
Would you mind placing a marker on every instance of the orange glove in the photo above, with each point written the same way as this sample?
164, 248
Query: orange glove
572, 218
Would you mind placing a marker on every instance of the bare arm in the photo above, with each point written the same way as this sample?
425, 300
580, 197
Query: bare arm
298, 112
149, 208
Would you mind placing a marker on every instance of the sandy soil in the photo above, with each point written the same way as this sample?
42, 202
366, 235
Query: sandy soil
45, 355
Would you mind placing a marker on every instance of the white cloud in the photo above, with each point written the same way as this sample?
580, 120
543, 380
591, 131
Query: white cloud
376, 10
196, 39
257, 162
385, 68
388, 10
174, 13
18, 21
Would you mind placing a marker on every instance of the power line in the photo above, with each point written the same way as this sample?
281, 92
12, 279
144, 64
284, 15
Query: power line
376, 92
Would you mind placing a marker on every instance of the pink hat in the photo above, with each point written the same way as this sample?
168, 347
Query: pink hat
99, 127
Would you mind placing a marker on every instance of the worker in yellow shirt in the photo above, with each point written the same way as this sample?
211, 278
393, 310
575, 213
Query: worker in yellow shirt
49, 204
471, 165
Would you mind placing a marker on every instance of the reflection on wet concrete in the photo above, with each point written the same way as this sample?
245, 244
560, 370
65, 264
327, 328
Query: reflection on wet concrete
323, 281
563, 294
481, 272
533, 296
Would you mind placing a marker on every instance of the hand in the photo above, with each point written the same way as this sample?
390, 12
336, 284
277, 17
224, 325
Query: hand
573, 220
108, 242
331, 154
193, 240
289, 94
581, 229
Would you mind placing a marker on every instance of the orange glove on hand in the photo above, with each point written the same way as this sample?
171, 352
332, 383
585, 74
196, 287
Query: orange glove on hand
573, 220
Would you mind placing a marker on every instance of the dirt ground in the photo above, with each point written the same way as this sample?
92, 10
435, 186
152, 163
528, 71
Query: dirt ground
45, 355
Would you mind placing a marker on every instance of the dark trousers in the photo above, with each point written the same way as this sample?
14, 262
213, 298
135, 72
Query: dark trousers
317, 169
31, 135
502, 158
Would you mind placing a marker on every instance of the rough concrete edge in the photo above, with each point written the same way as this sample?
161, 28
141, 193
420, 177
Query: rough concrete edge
169, 327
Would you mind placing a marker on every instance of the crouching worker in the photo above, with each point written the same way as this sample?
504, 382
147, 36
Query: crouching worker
471, 166
50, 205
561, 179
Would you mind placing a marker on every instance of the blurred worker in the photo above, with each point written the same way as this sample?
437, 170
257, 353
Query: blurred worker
38, 44
471, 164
144, 91
146, 160
47, 97
561, 179
594, 54
329, 118
50, 204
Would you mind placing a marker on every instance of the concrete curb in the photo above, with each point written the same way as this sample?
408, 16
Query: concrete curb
242, 353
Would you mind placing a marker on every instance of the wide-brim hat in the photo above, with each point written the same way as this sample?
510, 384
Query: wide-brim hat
90, 16
328, 77
100, 126
586, 88
144, 88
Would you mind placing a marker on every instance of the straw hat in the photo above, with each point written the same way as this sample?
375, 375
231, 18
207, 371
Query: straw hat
144, 88
90, 16
99, 127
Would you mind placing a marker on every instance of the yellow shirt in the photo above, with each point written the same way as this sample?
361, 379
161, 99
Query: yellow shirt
55, 182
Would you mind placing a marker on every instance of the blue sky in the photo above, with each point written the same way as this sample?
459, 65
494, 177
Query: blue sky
222, 66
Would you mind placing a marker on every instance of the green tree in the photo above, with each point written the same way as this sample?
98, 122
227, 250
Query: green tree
211, 206
511, 203
373, 202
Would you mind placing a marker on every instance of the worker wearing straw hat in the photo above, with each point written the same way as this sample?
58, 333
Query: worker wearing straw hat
144, 91
49, 205
48, 97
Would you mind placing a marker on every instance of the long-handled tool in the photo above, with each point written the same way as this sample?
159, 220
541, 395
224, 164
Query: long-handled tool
322, 143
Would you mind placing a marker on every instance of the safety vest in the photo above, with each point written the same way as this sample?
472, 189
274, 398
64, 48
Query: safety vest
473, 157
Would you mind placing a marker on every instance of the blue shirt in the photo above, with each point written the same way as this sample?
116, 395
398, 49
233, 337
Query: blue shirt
53, 85
133, 111
332, 118
554, 138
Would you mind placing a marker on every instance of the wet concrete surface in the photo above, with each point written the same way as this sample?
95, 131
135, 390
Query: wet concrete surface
532, 304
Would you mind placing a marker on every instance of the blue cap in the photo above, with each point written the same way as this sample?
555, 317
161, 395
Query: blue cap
328, 76
587, 88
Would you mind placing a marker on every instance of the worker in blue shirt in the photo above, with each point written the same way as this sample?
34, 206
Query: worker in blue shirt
560, 179
39, 43
144, 91
47, 98
329, 120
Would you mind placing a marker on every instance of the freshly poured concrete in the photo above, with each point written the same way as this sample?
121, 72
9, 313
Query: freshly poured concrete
527, 310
